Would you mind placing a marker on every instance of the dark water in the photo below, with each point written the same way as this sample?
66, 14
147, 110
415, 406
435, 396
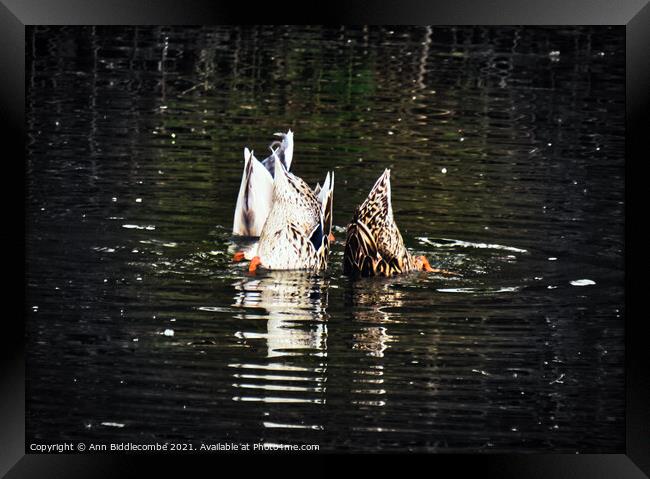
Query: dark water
506, 147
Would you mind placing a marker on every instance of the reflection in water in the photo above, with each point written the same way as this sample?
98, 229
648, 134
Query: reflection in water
371, 304
293, 306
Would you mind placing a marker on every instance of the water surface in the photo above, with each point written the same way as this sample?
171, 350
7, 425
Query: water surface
506, 147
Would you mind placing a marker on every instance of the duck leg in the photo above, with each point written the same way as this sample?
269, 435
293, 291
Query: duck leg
255, 262
422, 263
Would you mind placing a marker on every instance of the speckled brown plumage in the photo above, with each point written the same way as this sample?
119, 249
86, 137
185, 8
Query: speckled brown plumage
374, 245
296, 232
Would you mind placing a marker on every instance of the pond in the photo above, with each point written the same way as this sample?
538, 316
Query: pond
506, 149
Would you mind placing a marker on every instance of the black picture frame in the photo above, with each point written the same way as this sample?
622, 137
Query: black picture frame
16, 14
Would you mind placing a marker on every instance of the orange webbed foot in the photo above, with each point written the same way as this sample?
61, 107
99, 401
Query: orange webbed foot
255, 262
238, 256
422, 263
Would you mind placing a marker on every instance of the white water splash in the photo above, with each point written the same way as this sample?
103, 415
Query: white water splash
451, 243
138, 227
505, 289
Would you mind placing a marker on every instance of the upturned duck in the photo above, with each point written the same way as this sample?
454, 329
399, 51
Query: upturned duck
256, 190
374, 245
296, 234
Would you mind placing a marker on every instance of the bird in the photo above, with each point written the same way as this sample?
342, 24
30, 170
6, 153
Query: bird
374, 244
256, 190
297, 232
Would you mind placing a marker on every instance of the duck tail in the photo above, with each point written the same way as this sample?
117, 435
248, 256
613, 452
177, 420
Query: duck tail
287, 149
240, 226
280, 178
283, 152
254, 199
378, 206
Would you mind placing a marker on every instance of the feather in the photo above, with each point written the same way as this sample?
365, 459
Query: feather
326, 200
256, 191
295, 235
254, 199
284, 153
374, 245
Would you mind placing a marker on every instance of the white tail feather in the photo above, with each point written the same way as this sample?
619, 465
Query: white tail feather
287, 143
280, 179
322, 193
254, 199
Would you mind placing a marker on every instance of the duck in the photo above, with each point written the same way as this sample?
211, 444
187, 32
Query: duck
297, 232
256, 189
374, 245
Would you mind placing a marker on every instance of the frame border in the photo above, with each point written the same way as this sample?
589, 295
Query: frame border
16, 14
